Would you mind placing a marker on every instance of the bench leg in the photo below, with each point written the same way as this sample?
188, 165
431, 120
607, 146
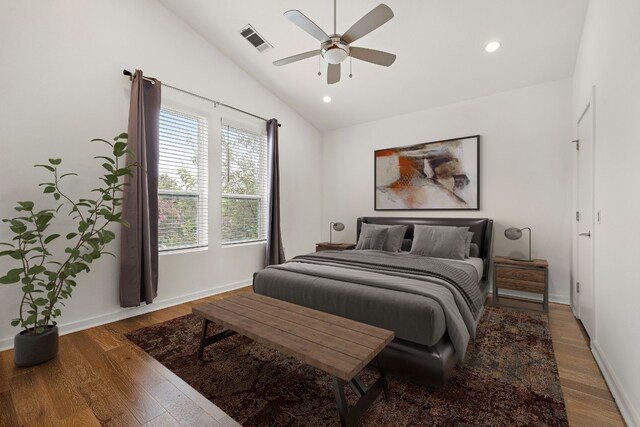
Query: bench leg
203, 337
341, 402
205, 341
350, 417
383, 377
357, 386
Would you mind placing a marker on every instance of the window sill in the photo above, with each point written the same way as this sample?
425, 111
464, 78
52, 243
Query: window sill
183, 251
240, 244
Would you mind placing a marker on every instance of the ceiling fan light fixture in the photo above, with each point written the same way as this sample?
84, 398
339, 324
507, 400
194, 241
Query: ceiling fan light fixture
326, 99
335, 54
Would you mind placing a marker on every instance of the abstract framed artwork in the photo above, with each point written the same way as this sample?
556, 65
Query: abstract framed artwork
440, 175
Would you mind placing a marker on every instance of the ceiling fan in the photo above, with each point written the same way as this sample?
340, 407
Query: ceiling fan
335, 48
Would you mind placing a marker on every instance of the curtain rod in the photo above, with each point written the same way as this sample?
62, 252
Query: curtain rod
215, 103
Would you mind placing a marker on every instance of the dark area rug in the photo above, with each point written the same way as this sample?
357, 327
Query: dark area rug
509, 378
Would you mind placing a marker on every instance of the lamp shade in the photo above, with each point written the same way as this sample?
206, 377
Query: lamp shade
513, 233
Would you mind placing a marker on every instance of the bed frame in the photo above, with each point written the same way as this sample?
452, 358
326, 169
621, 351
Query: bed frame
432, 365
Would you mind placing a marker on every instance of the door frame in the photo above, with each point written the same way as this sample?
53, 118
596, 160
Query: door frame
575, 297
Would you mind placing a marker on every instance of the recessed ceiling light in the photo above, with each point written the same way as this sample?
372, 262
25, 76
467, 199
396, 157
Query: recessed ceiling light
492, 46
326, 98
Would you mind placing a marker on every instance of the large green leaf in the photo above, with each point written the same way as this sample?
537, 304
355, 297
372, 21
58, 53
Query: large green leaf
102, 140
109, 159
51, 238
119, 148
37, 269
47, 167
27, 205
7, 280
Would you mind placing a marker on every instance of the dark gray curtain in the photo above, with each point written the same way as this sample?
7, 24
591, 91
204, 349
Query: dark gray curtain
139, 244
275, 250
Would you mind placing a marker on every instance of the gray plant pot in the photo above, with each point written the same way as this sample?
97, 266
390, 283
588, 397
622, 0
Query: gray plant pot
32, 350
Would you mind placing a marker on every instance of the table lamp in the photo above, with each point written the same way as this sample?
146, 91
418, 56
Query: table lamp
514, 233
338, 226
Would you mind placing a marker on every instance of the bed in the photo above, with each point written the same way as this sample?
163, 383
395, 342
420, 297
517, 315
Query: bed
433, 305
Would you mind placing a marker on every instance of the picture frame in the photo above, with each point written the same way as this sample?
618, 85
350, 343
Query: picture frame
437, 175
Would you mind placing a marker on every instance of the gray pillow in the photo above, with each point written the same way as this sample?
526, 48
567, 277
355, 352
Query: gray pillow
439, 241
395, 235
406, 245
372, 238
474, 250
467, 244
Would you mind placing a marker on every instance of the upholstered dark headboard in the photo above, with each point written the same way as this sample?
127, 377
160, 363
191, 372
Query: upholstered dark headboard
482, 229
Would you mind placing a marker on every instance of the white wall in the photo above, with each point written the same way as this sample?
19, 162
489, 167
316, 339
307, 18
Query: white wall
525, 168
61, 85
609, 58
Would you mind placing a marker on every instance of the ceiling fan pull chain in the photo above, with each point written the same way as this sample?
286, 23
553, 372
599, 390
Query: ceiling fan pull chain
319, 72
350, 65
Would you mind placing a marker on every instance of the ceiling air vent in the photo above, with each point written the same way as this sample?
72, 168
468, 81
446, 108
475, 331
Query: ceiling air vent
252, 36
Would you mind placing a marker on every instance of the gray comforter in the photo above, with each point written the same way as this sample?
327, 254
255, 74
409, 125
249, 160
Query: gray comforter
418, 298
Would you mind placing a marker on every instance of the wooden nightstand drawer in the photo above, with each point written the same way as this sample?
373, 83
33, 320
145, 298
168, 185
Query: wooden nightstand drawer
520, 285
520, 274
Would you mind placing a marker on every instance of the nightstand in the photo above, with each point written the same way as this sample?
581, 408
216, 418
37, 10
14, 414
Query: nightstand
326, 246
521, 276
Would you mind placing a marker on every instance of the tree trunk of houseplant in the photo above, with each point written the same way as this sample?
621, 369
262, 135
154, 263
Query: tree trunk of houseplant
32, 350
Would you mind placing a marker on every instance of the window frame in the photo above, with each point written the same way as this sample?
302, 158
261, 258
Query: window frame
202, 180
262, 199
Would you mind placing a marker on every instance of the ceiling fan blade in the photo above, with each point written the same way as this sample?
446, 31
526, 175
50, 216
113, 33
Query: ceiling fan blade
333, 73
298, 57
371, 55
369, 22
306, 24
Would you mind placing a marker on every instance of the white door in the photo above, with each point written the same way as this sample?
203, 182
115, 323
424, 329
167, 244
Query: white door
585, 229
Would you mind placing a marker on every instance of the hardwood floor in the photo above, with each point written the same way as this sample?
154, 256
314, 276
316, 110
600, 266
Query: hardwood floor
587, 397
100, 378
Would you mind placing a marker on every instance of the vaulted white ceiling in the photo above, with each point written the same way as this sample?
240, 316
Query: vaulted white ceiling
439, 46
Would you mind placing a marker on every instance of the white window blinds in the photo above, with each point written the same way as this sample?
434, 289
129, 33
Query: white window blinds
244, 185
182, 181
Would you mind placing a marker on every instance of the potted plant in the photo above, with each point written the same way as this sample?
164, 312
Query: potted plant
46, 267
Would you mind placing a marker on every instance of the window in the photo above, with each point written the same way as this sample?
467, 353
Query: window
182, 181
244, 185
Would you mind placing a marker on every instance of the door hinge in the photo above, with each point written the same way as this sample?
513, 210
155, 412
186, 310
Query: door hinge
578, 287
577, 216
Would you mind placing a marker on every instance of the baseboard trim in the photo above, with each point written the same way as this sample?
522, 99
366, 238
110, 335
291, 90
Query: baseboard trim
629, 413
79, 325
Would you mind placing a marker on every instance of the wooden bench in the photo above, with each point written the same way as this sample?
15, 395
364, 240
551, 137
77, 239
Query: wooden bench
338, 346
